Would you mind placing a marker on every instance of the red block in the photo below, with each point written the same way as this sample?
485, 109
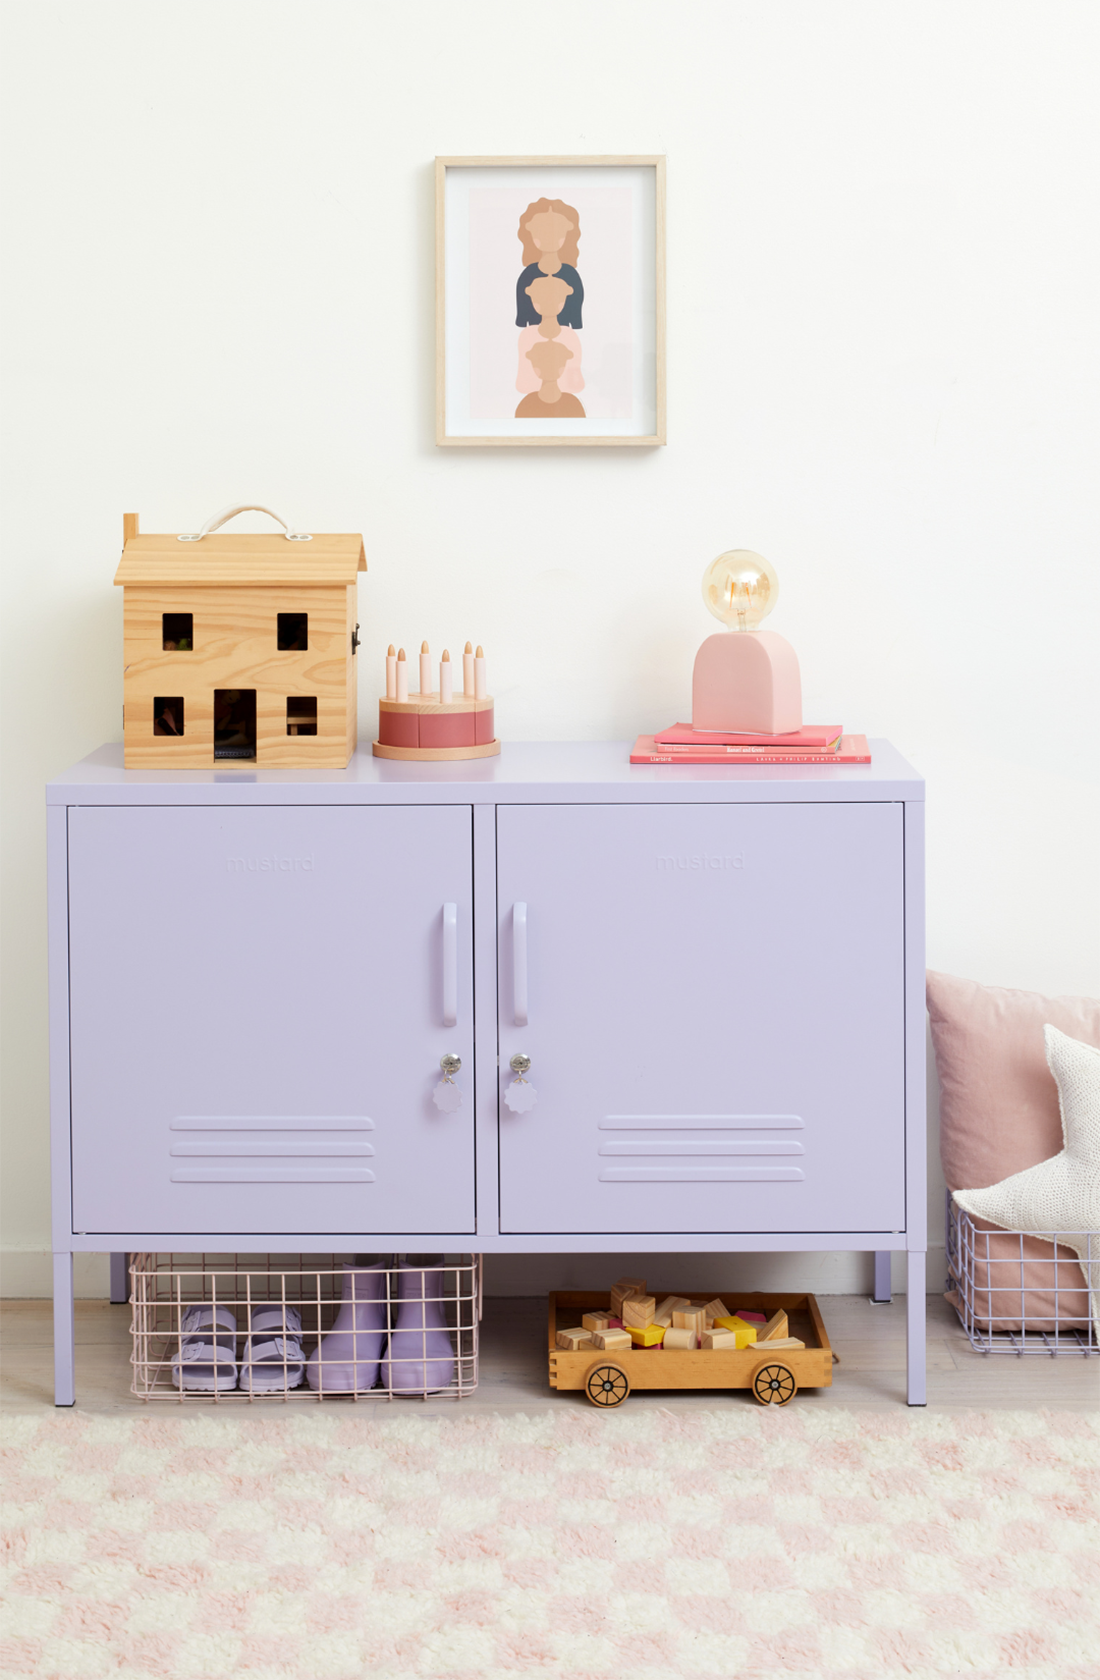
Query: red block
398, 729
447, 729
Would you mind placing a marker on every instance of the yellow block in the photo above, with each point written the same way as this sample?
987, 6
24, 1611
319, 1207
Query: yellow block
745, 1333
649, 1336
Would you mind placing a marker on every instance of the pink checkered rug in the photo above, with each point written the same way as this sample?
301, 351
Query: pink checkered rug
335, 1545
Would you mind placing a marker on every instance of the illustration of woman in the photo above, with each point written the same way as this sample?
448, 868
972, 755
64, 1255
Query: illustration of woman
549, 232
548, 294
549, 357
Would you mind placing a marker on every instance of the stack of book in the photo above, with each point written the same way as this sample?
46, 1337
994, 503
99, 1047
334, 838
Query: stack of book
813, 744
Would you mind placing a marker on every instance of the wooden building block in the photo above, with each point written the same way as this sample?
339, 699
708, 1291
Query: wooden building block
751, 1316
596, 1321
612, 1339
746, 1333
716, 1309
638, 1311
573, 1339
774, 1328
689, 1319
620, 1290
681, 1340
666, 1308
778, 1342
647, 1335
721, 1339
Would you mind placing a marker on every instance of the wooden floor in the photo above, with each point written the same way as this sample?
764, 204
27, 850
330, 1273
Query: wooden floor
870, 1341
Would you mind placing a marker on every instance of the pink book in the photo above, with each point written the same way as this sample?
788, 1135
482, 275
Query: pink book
810, 735
743, 751
853, 749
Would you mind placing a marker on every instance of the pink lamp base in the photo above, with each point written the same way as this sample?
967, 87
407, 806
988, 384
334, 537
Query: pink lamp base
747, 680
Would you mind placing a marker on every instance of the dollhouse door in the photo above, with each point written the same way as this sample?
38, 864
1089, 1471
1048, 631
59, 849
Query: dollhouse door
260, 997
713, 1008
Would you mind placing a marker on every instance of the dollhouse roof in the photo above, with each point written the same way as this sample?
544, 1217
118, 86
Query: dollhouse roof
261, 561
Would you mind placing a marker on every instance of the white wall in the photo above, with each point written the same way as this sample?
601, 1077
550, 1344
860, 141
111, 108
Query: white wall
882, 356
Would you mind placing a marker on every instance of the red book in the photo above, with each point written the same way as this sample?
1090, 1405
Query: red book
853, 749
810, 735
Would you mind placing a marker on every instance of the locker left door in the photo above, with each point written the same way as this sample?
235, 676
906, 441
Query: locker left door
258, 1001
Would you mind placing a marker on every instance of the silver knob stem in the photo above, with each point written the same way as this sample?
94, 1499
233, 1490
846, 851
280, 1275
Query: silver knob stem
520, 1063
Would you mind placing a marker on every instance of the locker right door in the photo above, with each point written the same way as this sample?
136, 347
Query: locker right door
714, 1015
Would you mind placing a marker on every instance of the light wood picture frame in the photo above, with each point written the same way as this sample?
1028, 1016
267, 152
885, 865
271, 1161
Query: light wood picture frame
518, 238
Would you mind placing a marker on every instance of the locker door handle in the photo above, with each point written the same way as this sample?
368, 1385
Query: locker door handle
450, 965
519, 964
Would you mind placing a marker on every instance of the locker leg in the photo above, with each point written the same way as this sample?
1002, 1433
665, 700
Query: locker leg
120, 1277
883, 1287
915, 1329
64, 1332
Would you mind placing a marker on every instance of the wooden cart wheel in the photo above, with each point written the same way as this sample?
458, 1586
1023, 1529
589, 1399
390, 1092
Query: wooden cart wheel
607, 1384
773, 1384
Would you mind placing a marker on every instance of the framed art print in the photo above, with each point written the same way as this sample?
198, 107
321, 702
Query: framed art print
550, 300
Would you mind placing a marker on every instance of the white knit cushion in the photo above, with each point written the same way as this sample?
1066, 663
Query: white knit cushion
1062, 1194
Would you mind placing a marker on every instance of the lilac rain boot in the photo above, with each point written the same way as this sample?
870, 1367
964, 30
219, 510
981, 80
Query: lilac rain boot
420, 1357
345, 1360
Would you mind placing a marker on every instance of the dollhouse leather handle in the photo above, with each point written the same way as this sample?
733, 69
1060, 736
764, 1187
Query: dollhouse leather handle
450, 965
228, 513
519, 964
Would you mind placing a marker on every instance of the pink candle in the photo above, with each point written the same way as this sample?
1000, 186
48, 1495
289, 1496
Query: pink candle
391, 673
446, 680
468, 672
402, 688
425, 669
480, 689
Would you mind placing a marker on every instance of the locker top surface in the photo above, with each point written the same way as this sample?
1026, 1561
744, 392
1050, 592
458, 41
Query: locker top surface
526, 772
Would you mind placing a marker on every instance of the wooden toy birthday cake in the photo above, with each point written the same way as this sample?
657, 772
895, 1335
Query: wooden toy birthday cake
435, 723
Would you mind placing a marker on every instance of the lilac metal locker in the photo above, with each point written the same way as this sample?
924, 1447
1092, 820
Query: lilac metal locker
723, 999
715, 1018
258, 999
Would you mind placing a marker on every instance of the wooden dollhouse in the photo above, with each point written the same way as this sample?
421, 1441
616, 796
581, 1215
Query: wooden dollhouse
239, 648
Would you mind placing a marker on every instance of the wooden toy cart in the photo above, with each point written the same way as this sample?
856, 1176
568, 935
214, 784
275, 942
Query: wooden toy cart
774, 1379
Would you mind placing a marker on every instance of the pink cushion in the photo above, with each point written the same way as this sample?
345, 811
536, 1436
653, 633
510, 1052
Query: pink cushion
999, 1103
999, 1115
1018, 1283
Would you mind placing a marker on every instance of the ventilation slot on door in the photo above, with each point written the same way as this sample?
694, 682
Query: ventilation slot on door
263, 1149
721, 1151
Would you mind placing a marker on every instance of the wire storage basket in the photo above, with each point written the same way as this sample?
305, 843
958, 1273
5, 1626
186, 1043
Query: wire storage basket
250, 1327
1020, 1291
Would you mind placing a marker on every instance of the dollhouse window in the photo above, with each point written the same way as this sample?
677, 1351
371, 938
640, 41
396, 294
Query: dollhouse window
168, 714
301, 714
293, 632
176, 632
234, 723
